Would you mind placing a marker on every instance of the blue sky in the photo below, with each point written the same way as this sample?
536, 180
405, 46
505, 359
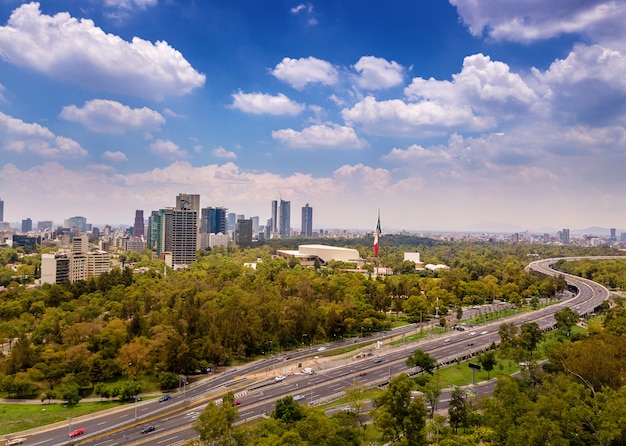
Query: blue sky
459, 115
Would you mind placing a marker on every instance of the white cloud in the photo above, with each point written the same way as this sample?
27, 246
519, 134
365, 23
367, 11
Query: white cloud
484, 94
221, 152
114, 156
416, 153
73, 49
530, 20
320, 136
485, 85
587, 86
107, 116
130, 4
398, 118
377, 73
22, 137
167, 150
300, 72
260, 103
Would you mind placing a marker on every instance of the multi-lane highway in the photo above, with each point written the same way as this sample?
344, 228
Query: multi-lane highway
256, 390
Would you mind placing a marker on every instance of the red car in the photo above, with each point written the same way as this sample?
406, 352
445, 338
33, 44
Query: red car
362, 373
77, 432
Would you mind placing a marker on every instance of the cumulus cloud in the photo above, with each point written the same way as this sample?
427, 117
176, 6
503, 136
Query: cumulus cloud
376, 73
320, 136
260, 103
416, 153
114, 156
76, 50
587, 86
22, 137
300, 72
106, 116
398, 118
532, 20
167, 149
221, 152
478, 98
485, 85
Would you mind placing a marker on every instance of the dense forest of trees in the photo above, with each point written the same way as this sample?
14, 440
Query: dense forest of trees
109, 333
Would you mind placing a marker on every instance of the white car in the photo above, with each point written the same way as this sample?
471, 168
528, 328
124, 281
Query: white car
298, 397
484, 332
321, 349
279, 378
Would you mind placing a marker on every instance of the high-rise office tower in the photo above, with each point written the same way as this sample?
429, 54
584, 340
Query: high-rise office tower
274, 217
153, 230
307, 221
138, 227
1, 210
284, 227
213, 221
190, 202
77, 222
565, 236
231, 220
243, 232
613, 234
177, 233
27, 225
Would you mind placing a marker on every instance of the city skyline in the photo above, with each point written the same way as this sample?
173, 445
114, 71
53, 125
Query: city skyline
450, 116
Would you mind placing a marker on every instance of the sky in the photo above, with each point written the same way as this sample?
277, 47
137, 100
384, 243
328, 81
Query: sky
440, 115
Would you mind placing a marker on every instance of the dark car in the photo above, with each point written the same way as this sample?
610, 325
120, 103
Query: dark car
165, 398
378, 360
149, 428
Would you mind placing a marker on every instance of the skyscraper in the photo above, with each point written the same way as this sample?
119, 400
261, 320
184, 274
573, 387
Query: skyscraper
307, 221
177, 234
191, 202
274, 217
1, 210
284, 227
565, 236
243, 232
77, 222
27, 225
138, 227
213, 221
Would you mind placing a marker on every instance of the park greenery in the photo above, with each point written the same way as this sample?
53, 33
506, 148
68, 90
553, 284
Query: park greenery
117, 334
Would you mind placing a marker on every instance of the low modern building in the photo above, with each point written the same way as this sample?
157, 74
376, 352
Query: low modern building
308, 253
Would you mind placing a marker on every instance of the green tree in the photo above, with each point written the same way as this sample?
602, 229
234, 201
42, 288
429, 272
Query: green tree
215, 423
288, 410
488, 361
397, 414
458, 410
566, 319
423, 360
529, 337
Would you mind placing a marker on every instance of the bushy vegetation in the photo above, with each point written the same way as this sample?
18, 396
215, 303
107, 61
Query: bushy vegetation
125, 327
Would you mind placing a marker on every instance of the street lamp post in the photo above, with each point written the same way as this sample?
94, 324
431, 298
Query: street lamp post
361, 331
135, 407
69, 427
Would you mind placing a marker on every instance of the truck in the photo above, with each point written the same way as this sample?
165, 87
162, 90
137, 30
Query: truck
308, 371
